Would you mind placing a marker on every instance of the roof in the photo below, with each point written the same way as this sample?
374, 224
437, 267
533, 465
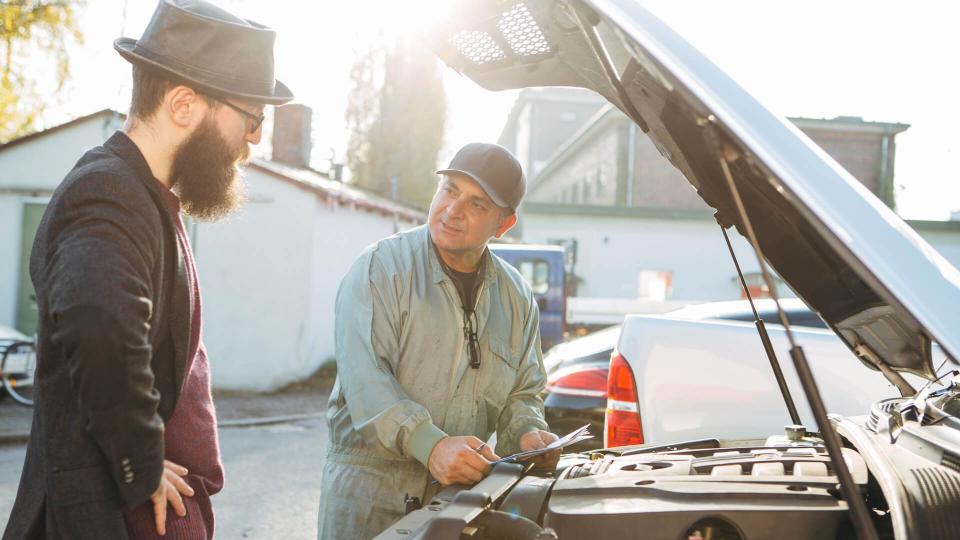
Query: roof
547, 94
849, 124
590, 128
79, 120
578, 139
309, 179
345, 194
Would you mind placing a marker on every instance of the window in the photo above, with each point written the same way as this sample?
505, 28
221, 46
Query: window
537, 274
26, 296
654, 285
758, 287
601, 179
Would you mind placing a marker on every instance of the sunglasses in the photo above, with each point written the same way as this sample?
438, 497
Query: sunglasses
256, 119
473, 344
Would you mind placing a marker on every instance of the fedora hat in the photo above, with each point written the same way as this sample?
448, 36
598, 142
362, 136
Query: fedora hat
206, 47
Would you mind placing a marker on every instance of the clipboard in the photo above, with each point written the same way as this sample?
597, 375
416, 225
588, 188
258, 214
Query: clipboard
573, 437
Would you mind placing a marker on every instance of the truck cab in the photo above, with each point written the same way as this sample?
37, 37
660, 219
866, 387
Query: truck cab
542, 266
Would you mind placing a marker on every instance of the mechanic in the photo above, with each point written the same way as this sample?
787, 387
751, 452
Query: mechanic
437, 347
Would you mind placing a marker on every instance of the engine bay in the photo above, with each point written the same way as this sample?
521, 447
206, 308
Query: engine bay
902, 457
747, 492
774, 489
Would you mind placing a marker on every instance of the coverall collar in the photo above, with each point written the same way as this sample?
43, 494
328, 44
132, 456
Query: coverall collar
436, 265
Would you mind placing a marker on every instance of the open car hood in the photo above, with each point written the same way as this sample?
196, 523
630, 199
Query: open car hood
882, 288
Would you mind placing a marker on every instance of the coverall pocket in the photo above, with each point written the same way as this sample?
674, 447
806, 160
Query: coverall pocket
498, 375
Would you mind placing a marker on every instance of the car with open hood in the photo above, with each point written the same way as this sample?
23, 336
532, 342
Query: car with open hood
890, 471
578, 370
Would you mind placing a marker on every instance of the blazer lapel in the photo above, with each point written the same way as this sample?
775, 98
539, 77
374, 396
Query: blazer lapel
180, 316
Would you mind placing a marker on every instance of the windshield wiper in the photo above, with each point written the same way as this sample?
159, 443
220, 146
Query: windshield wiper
851, 493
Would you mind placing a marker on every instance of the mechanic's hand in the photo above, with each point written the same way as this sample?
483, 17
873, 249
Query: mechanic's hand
171, 486
533, 440
455, 460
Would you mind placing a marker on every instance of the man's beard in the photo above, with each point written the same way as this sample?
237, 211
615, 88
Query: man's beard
205, 172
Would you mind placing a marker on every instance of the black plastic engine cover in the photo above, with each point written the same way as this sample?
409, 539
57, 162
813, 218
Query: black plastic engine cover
731, 493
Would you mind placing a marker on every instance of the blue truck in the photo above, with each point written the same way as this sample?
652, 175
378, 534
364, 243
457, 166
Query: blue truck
543, 266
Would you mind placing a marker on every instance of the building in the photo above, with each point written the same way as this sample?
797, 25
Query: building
635, 226
607, 161
662, 254
269, 274
542, 119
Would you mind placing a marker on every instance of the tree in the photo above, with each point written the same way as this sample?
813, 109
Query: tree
396, 113
32, 30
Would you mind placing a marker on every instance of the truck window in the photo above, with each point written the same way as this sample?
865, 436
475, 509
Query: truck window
537, 274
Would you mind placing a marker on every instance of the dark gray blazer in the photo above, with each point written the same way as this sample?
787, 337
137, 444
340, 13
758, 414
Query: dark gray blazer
114, 325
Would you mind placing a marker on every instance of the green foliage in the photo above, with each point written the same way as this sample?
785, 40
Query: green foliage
31, 30
396, 112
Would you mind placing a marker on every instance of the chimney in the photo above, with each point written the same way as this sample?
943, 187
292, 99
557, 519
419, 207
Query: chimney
291, 135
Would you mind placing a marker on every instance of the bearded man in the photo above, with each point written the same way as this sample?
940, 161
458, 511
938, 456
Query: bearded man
124, 421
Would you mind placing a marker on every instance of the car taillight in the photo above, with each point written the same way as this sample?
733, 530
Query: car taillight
622, 426
587, 381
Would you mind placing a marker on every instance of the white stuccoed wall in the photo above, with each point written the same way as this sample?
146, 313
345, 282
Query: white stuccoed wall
29, 171
340, 234
269, 274
42, 162
269, 277
612, 250
11, 216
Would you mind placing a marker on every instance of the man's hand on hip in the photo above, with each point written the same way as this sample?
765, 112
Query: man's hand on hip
455, 460
171, 486
533, 440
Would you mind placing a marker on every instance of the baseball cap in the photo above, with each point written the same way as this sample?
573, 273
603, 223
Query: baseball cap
494, 168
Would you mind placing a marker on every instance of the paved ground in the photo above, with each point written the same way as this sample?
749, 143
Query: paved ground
273, 470
14, 421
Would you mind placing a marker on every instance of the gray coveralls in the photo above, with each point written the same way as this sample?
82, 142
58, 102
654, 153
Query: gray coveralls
404, 381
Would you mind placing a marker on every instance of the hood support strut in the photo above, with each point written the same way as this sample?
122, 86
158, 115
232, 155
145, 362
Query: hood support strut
764, 337
864, 351
600, 52
851, 493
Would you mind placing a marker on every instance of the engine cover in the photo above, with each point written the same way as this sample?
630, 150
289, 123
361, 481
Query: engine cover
722, 494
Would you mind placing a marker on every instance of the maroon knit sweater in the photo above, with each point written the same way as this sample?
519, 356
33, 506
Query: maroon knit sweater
190, 435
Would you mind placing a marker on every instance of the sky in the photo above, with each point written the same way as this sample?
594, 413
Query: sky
880, 60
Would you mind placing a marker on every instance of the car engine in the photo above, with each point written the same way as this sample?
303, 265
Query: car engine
778, 489
721, 493
903, 459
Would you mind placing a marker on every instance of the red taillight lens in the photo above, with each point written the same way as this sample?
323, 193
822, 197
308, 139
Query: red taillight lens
623, 413
579, 381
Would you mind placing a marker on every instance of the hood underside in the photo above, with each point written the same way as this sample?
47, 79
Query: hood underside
882, 288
